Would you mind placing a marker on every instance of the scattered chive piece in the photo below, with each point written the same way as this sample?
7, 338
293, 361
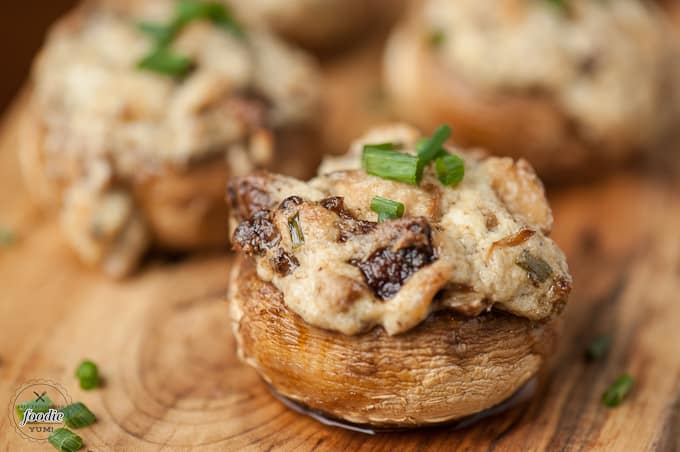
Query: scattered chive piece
450, 168
436, 38
381, 146
617, 391
224, 18
77, 415
161, 34
162, 59
428, 150
391, 165
598, 348
296, 235
386, 208
38, 406
65, 440
537, 269
7, 236
88, 375
560, 5
165, 61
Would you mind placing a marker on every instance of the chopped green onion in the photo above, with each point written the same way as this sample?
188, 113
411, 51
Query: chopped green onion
617, 391
7, 236
162, 59
428, 150
190, 10
450, 168
39, 405
88, 375
382, 146
561, 4
598, 348
161, 34
165, 61
537, 269
77, 415
391, 165
386, 208
296, 236
436, 38
65, 440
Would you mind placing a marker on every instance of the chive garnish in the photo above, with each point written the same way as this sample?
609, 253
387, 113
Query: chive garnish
428, 149
77, 415
65, 440
598, 348
537, 269
561, 4
165, 61
381, 160
386, 208
617, 391
296, 236
162, 59
391, 165
381, 146
88, 375
450, 168
161, 34
436, 38
7, 236
40, 405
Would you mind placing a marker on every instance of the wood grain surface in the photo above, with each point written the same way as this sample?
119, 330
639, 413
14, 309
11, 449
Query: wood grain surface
173, 382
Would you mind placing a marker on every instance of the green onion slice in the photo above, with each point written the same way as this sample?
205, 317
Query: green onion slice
598, 348
617, 391
77, 415
165, 61
296, 236
40, 405
218, 13
436, 38
450, 168
7, 236
88, 375
391, 165
386, 208
161, 34
65, 440
428, 150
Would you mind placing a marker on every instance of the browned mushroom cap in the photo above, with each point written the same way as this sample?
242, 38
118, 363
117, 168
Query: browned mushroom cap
446, 368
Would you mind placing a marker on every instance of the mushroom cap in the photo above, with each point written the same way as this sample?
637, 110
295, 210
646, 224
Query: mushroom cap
446, 368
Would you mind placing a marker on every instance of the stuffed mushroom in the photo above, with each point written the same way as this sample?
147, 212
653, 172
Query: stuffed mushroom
397, 296
570, 85
141, 111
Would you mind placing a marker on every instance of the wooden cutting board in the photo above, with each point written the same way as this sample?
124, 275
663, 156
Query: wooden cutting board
173, 382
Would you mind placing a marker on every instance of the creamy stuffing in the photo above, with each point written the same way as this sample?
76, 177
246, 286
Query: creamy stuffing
98, 110
606, 63
468, 248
